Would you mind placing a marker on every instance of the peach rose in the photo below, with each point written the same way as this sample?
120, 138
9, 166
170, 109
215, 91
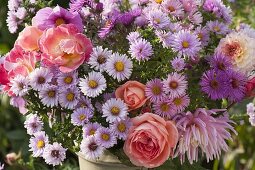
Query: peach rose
28, 38
150, 141
132, 93
65, 47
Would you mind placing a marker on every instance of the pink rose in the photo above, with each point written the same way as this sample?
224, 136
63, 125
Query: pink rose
132, 93
65, 47
28, 38
150, 141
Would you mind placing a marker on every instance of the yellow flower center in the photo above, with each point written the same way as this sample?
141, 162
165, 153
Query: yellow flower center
51, 93
200, 36
115, 111
93, 84
164, 107
59, 21
173, 85
216, 29
70, 96
82, 117
157, 20
119, 66
158, 1
92, 132
105, 137
171, 8
68, 80
41, 80
122, 127
40, 144
185, 44
177, 101
156, 90
101, 59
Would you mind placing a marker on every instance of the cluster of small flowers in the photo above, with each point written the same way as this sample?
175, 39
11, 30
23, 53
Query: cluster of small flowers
251, 113
53, 154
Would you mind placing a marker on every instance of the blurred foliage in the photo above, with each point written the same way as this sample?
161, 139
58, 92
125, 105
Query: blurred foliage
13, 137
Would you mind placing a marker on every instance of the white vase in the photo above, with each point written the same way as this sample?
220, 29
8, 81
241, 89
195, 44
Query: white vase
106, 162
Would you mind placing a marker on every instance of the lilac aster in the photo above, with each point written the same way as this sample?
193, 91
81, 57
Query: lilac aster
186, 43
236, 86
68, 98
181, 103
21, 13
114, 109
19, 85
173, 7
164, 37
164, 108
220, 62
91, 148
33, 124
81, 116
250, 108
214, 84
178, 64
203, 35
90, 129
12, 22
67, 79
175, 85
105, 137
76, 5
141, 50
158, 19
201, 131
133, 36
47, 18
195, 17
37, 143
85, 102
154, 90
217, 27
54, 154
49, 95
39, 78
13, 5
121, 128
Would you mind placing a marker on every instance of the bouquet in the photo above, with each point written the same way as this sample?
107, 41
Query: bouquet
147, 80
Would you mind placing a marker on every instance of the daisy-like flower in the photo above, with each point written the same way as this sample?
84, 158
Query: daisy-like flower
173, 7
54, 154
39, 78
67, 79
38, 143
157, 19
99, 57
164, 108
105, 137
91, 148
19, 85
119, 66
141, 50
203, 35
85, 102
120, 128
93, 85
133, 36
178, 63
33, 124
68, 98
186, 43
81, 116
175, 85
236, 86
219, 62
49, 95
201, 131
90, 129
164, 37
214, 84
114, 109
154, 90
217, 27
181, 103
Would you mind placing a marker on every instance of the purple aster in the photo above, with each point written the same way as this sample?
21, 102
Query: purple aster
186, 43
141, 50
158, 19
67, 79
39, 78
202, 132
214, 84
91, 148
68, 98
203, 35
154, 90
236, 86
49, 95
164, 37
250, 108
195, 17
189, 5
76, 5
38, 143
47, 18
121, 128
164, 108
90, 129
85, 102
217, 27
33, 124
133, 36
173, 7
81, 116
54, 154
219, 62
19, 85
12, 22
105, 137
178, 64
181, 103
175, 85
